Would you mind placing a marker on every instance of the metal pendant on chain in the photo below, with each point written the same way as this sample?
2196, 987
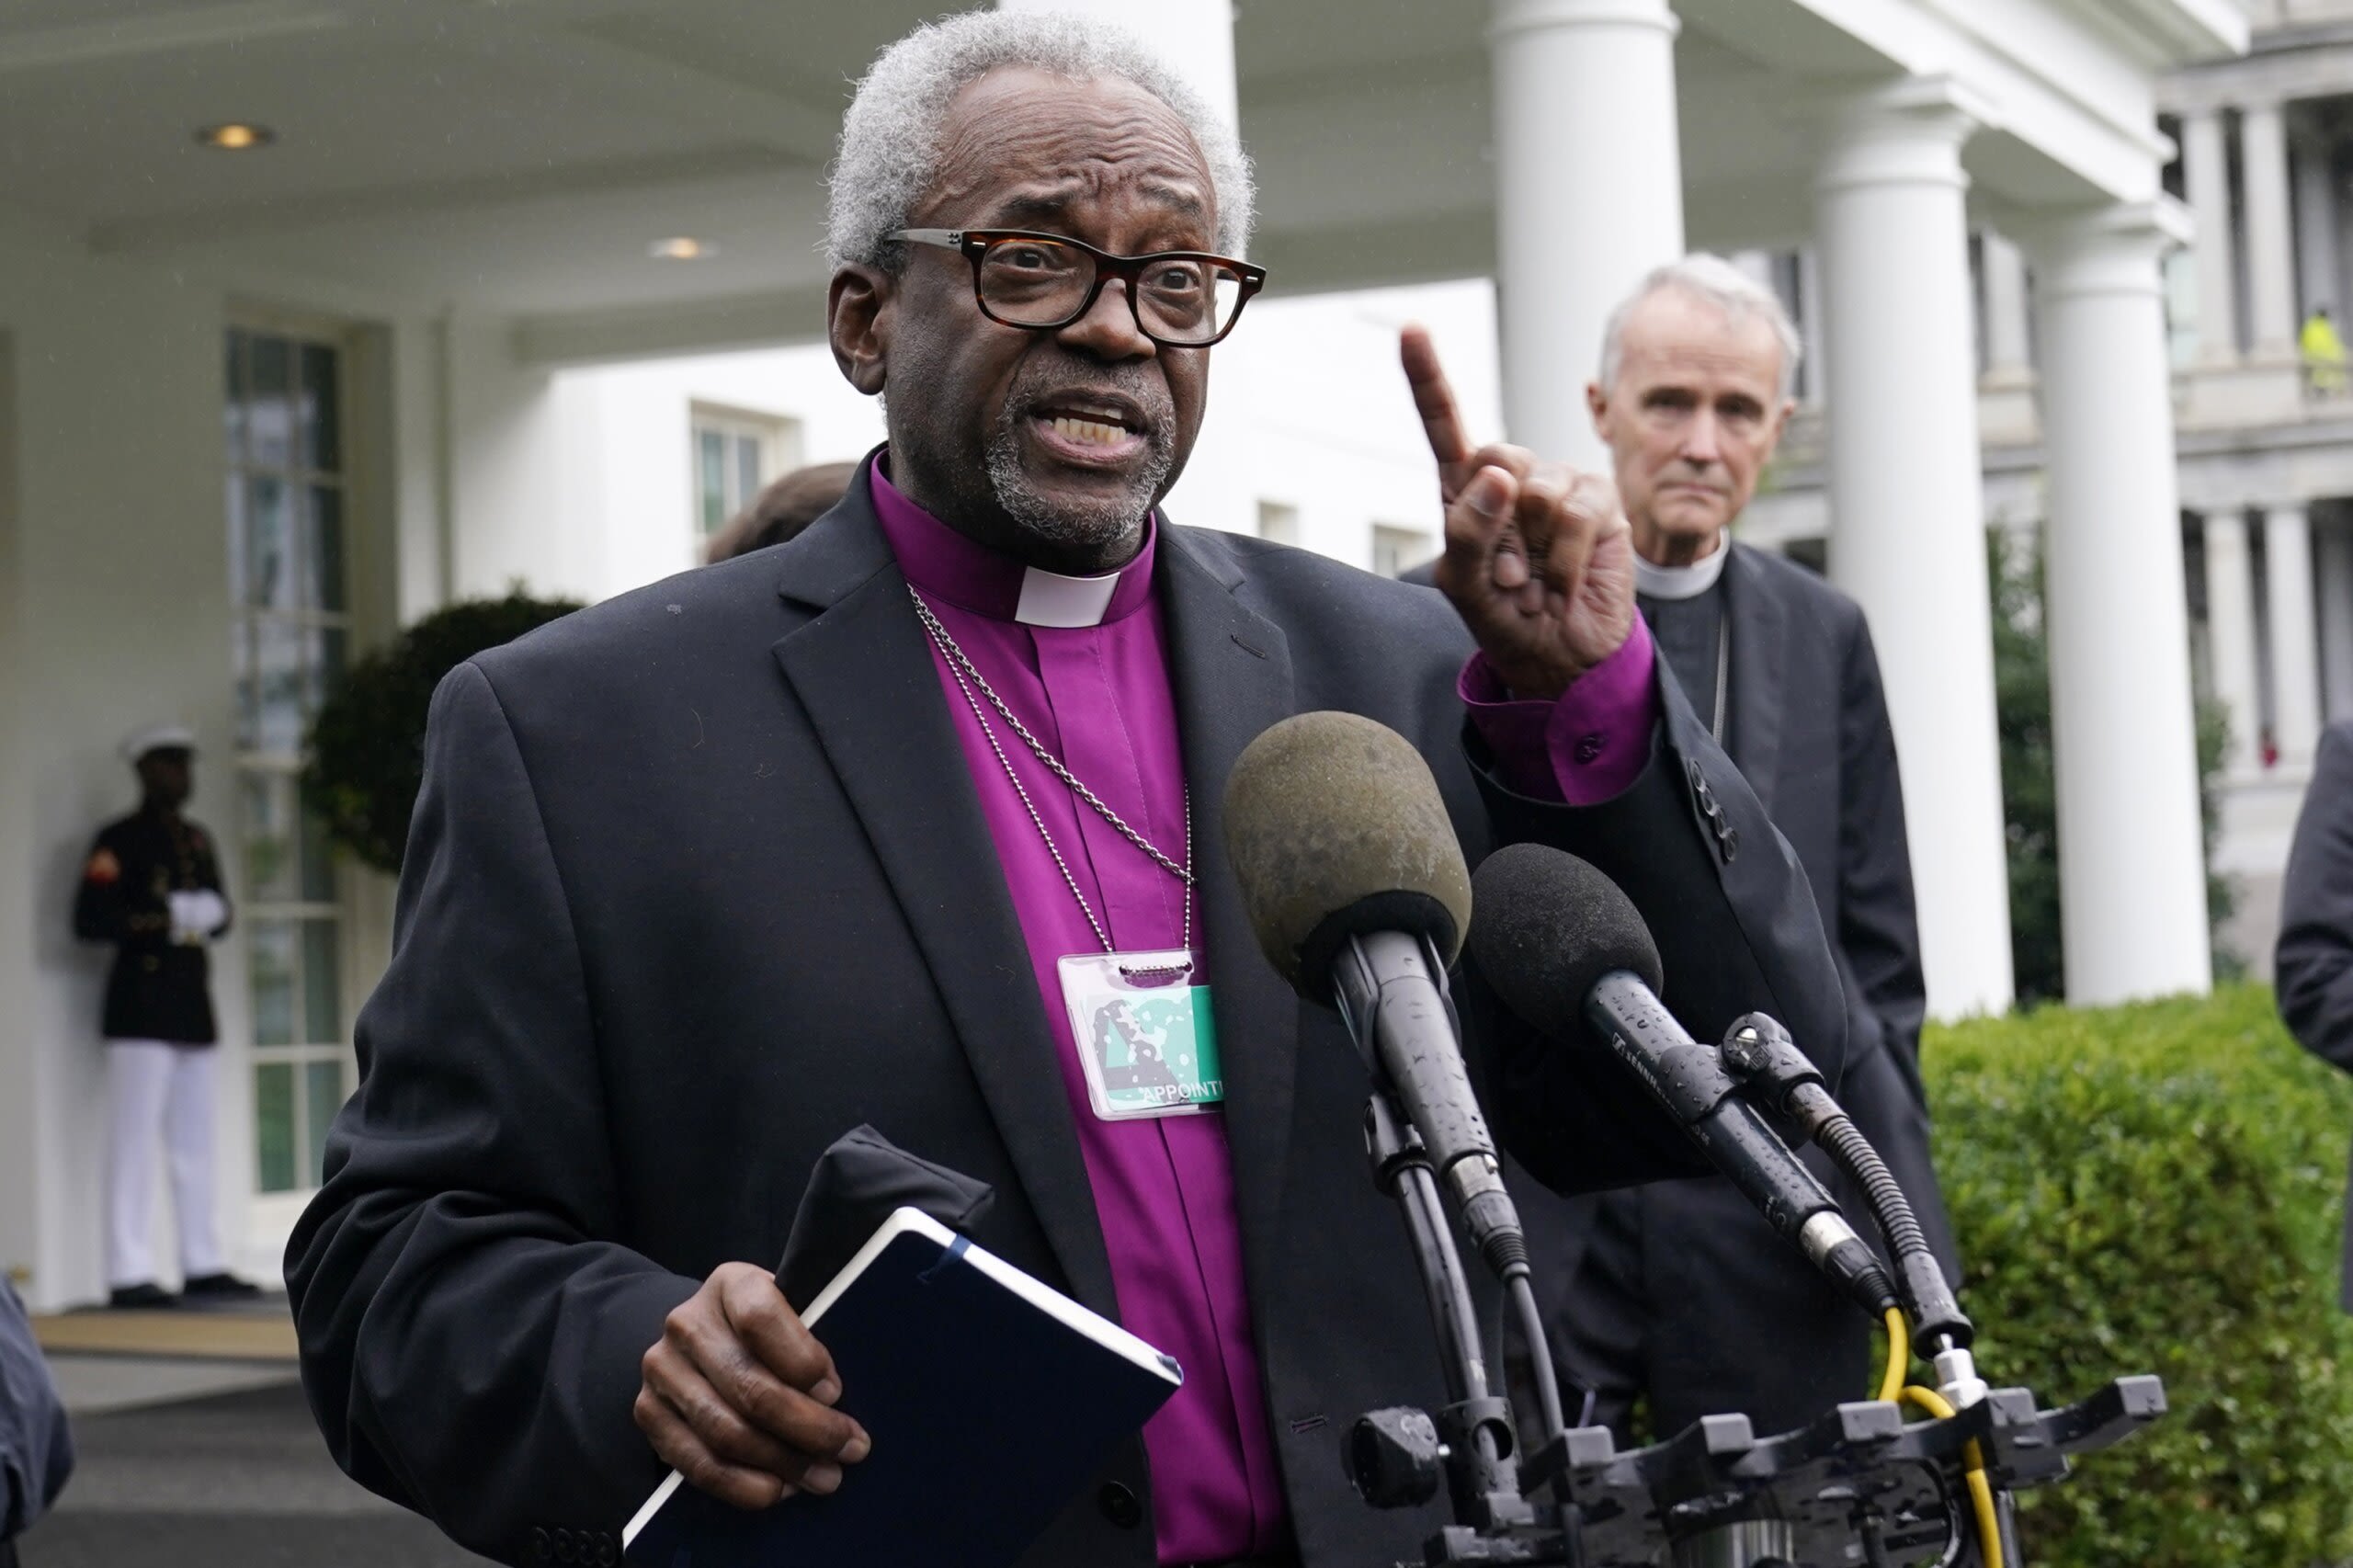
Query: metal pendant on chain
1146, 1041
968, 677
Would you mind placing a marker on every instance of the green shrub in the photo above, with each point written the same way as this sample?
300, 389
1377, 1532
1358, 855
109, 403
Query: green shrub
366, 747
2159, 1189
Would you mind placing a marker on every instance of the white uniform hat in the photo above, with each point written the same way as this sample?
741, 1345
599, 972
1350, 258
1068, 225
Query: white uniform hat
169, 735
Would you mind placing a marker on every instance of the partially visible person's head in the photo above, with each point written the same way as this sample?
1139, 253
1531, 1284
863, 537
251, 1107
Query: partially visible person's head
1054, 444
780, 512
1696, 369
164, 760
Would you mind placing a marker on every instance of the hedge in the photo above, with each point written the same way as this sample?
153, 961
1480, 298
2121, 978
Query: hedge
366, 746
2160, 1189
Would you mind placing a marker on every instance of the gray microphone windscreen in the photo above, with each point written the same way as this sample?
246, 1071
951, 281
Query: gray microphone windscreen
1549, 926
1336, 828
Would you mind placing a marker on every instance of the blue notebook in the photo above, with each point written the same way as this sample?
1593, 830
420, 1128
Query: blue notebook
992, 1399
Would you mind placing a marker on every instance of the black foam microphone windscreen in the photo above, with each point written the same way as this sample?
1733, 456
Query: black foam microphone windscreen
1335, 829
1549, 926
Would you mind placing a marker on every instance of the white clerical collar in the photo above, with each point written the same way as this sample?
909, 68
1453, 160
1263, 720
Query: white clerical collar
1049, 598
1682, 582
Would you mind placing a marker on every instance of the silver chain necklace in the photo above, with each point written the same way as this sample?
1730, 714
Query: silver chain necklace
968, 675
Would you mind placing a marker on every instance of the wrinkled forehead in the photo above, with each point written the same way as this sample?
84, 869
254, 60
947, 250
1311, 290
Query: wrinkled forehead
1676, 334
1022, 147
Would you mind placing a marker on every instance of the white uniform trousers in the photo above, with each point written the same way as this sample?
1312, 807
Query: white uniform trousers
161, 1097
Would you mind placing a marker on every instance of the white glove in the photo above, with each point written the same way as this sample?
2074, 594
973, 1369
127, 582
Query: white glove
196, 915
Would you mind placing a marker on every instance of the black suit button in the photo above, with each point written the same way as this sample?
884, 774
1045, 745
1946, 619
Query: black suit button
607, 1552
564, 1552
1732, 845
1691, 771
542, 1548
1120, 1506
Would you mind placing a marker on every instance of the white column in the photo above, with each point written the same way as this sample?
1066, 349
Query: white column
2230, 636
2316, 224
1816, 361
2131, 855
2270, 245
2333, 572
1195, 36
2206, 174
1588, 196
1908, 530
2005, 290
2295, 645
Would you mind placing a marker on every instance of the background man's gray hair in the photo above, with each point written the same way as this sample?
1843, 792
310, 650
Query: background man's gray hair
889, 146
1721, 284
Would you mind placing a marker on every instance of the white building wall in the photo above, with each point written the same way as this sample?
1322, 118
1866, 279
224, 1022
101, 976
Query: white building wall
19, 1111
122, 612
115, 610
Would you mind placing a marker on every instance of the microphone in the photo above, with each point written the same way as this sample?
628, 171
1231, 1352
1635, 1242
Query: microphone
1561, 942
1358, 893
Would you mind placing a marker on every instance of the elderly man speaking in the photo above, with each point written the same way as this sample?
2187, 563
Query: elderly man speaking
707, 876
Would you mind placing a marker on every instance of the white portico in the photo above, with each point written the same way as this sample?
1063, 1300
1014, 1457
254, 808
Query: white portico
465, 200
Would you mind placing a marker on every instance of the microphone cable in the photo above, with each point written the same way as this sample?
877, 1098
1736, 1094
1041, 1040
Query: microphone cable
1762, 1055
1519, 1289
1899, 1357
1981, 1485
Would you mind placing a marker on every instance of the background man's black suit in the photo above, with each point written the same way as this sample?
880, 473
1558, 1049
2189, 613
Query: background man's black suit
2313, 962
699, 881
1680, 1287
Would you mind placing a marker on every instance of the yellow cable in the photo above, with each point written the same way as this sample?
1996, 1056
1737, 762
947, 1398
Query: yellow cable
1981, 1488
1899, 1355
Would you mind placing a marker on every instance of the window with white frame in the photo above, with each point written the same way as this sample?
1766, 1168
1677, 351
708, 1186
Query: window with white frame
1277, 523
289, 566
1395, 548
736, 453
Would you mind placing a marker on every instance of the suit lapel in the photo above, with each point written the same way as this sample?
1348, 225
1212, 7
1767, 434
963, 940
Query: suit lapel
1754, 617
1233, 675
862, 670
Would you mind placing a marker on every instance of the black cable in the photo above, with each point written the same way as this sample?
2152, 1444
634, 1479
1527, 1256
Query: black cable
1845, 1142
1521, 1290
1936, 1318
1452, 1312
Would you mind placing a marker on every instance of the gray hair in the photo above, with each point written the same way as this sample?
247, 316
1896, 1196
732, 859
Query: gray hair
889, 146
1721, 284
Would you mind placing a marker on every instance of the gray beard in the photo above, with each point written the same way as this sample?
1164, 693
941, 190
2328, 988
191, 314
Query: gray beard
1073, 525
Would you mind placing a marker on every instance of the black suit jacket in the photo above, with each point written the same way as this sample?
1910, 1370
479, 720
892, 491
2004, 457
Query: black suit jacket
1809, 730
699, 881
2312, 967
36, 1444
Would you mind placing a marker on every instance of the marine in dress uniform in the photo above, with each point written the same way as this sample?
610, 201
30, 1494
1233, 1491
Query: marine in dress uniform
152, 886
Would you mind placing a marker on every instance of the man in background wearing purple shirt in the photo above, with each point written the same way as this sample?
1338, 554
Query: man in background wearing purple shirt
837, 832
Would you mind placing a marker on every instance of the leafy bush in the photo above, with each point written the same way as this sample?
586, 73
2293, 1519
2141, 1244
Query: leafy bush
2159, 1189
367, 751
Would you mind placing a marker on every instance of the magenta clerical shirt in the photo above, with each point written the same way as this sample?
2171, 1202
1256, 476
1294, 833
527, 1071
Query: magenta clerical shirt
1084, 664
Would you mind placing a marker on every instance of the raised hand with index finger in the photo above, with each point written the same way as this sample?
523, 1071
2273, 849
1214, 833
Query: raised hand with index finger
1539, 561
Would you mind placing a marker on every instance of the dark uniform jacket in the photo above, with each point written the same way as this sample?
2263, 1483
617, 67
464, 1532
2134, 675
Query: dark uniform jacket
157, 989
700, 882
2314, 964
